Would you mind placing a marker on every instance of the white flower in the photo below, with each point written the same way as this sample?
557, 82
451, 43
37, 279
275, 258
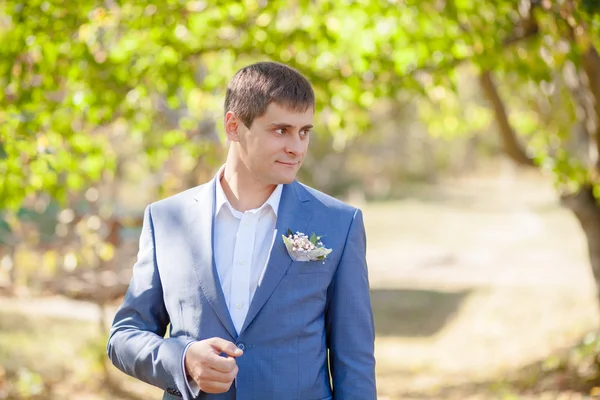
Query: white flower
303, 248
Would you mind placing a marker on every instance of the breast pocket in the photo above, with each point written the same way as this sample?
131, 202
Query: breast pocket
309, 267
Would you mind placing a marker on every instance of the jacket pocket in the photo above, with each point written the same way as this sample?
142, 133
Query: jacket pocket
309, 267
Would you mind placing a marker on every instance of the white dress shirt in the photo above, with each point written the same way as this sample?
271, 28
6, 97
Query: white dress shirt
242, 245
250, 234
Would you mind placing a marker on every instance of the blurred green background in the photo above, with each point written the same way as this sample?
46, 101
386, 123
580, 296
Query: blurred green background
467, 130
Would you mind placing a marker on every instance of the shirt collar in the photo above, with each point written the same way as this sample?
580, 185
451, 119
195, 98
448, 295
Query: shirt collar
221, 198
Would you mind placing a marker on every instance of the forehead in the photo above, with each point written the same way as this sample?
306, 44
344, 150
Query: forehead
279, 114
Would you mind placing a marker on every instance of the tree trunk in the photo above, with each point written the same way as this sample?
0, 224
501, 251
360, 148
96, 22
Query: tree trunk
510, 142
590, 62
587, 210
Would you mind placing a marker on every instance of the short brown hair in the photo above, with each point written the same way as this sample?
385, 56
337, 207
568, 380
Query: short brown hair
254, 87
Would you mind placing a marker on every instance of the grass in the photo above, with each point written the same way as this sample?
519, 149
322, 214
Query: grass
55, 358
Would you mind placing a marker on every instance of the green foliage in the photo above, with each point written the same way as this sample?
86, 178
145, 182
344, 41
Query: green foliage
76, 73
72, 71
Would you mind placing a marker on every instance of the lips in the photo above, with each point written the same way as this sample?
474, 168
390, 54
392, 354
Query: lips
288, 164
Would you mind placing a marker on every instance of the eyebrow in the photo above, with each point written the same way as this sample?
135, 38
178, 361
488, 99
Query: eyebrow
284, 125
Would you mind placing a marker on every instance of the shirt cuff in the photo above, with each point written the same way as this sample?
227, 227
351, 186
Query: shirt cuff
191, 384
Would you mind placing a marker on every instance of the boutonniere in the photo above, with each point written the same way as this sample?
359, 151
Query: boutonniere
303, 248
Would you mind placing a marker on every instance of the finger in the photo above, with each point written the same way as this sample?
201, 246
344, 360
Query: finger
225, 377
211, 376
214, 387
225, 346
221, 364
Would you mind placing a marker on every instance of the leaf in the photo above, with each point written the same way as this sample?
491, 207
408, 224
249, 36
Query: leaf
26, 214
5, 227
288, 243
5, 232
313, 239
289, 232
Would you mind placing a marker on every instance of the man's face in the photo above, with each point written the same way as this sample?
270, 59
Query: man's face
273, 148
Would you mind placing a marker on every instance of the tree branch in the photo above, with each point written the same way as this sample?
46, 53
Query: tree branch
512, 147
522, 32
590, 62
524, 29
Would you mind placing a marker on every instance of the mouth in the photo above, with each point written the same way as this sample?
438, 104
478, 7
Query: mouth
287, 164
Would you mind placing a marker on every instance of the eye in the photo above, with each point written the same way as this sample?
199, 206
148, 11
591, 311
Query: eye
305, 132
280, 131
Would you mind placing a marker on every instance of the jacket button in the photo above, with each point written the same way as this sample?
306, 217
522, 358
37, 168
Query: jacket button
241, 346
174, 392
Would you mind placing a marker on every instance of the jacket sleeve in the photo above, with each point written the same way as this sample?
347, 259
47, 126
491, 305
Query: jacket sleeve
349, 321
136, 344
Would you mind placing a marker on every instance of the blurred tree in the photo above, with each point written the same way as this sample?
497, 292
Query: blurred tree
538, 68
79, 76
548, 111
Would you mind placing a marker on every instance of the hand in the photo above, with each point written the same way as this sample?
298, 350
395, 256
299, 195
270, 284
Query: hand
205, 365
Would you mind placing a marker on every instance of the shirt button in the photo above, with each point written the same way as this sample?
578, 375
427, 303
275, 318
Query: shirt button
241, 346
239, 305
241, 262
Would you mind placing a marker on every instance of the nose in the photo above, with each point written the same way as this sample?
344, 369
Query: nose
295, 145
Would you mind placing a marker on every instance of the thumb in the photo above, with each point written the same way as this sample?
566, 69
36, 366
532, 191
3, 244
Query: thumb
225, 346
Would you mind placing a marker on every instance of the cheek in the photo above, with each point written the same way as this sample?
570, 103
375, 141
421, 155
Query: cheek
265, 153
259, 148
304, 147
273, 149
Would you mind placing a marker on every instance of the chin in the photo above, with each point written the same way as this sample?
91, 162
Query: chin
285, 178
284, 175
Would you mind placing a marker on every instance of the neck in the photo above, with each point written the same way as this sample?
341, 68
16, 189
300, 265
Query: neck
244, 192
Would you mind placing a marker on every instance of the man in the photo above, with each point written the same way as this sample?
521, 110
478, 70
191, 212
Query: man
250, 319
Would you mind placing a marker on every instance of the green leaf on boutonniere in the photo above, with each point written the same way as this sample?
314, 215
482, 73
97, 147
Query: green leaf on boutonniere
313, 239
289, 232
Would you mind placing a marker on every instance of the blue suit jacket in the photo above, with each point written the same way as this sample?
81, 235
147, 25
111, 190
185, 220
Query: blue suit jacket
308, 321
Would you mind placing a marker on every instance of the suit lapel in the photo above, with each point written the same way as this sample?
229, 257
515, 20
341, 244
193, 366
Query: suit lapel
294, 213
201, 229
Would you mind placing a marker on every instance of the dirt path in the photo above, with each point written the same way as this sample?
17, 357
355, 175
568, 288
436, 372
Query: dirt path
474, 280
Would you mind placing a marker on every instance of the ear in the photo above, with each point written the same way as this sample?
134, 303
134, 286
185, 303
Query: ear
232, 126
